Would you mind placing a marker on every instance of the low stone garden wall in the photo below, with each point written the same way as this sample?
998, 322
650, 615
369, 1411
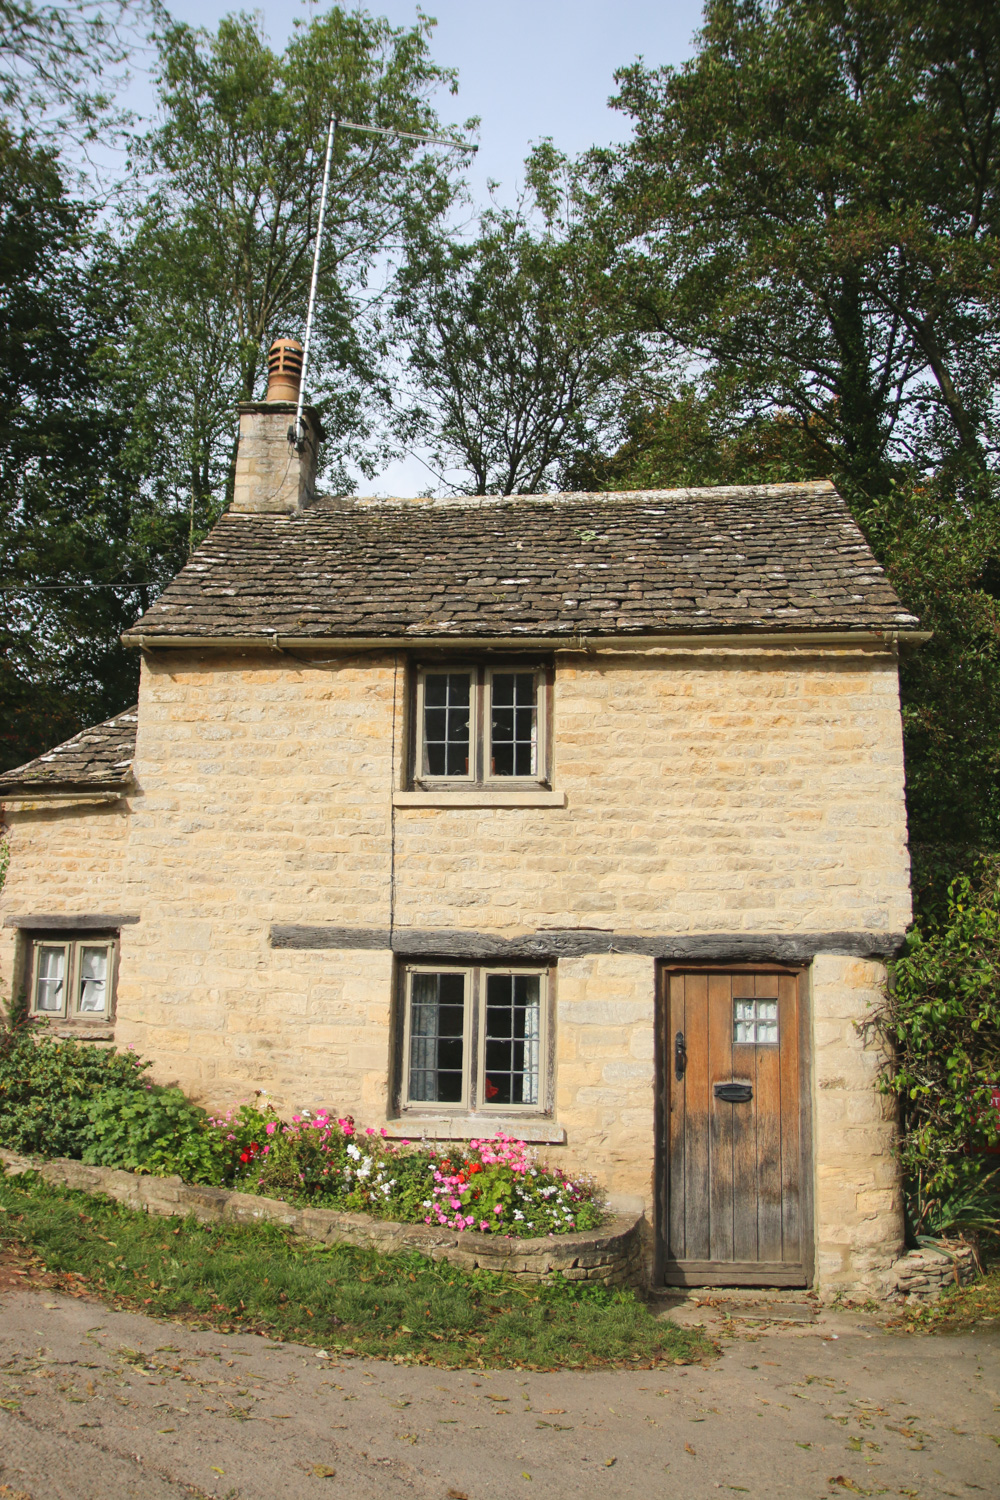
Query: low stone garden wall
921, 1275
610, 1256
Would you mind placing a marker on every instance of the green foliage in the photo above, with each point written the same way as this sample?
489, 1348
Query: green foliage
218, 250
516, 367
155, 1130
341, 1298
75, 529
807, 215
47, 1088
941, 1018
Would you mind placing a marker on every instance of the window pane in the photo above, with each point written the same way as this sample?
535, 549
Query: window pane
513, 1030
93, 996
514, 724
447, 697
50, 991
437, 1038
755, 1022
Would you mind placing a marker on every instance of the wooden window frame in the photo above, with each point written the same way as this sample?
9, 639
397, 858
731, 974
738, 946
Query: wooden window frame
480, 717
73, 943
474, 1042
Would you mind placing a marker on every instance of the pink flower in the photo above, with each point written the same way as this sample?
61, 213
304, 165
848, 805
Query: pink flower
270, 1127
484, 1224
497, 1209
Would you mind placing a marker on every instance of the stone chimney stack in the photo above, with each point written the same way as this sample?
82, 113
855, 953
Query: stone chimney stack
273, 475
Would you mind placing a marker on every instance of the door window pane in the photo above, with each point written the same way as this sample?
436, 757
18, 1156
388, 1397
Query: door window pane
437, 1038
755, 1022
446, 723
513, 1026
514, 724
50, 984
93, 981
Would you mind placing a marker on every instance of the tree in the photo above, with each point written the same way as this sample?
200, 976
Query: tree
808, 214
72, 525
56, 61
220, 251
515, 370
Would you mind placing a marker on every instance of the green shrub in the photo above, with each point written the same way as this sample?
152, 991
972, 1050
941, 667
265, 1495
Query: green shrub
46, 1087
155, 1130
941, 1017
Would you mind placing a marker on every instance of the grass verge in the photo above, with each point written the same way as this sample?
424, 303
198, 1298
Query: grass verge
344, 1299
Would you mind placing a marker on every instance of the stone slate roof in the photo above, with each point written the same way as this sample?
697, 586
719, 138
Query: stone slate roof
770, 557
94, 760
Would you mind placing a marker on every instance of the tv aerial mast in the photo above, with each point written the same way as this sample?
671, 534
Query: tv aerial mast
296, 433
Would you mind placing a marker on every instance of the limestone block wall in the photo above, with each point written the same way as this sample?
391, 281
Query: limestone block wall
265, 797
717, 793
858, 1194
605, 1071
68, 860
705, 793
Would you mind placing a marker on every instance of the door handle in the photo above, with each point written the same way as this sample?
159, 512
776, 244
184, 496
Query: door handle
680, 1056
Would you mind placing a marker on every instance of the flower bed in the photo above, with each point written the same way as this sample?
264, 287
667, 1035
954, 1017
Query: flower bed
491, 1186
65, 1099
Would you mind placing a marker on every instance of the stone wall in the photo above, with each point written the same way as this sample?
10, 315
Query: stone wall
62, 860
858, 1193
706, 792
610, 1256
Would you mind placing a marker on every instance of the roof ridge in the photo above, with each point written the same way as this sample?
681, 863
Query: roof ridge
569, 497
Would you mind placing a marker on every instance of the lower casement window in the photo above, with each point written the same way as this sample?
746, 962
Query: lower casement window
475, 1038
72, 978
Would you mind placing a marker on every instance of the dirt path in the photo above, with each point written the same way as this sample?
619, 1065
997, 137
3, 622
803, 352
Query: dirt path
97, 1405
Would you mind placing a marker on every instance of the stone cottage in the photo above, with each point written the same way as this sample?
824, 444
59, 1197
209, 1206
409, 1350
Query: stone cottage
578, 816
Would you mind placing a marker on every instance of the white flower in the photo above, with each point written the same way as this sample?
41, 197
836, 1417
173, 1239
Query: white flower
353, 1152
518, 1214
428, 1203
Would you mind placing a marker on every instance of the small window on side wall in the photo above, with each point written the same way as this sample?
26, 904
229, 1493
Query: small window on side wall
475, 1039
481, 725
72, 979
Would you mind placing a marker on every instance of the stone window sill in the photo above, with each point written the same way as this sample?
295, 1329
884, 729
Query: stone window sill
83, 1031
536, 1131
479, 797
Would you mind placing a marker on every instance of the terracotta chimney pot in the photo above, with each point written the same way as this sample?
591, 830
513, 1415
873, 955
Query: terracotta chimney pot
284, 370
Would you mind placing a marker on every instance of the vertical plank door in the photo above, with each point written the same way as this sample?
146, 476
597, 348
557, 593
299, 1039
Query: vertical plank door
733, 1103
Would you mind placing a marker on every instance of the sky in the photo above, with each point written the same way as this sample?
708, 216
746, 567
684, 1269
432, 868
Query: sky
528, 68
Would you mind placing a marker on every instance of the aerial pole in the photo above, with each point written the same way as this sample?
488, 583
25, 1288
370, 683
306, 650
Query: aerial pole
296, 433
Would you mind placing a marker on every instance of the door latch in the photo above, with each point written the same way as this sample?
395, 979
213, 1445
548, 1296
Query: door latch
680, 1055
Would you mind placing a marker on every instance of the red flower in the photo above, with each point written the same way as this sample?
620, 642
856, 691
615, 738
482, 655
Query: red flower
476, 1166
491, 1090
245, 1156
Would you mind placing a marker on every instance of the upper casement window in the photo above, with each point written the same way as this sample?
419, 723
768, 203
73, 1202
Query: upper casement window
481, 725
72, 979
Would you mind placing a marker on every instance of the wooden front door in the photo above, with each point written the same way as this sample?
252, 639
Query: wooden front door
732, 1103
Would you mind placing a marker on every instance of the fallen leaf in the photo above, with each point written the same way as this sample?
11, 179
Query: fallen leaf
54, 1306
162, 1430
689, 1449
456, 1494
215, 1470
524, 1475
554, 1411
609, 1463
323, 1471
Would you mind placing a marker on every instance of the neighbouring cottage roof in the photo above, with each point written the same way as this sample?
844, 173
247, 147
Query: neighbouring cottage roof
746, 558
95, 760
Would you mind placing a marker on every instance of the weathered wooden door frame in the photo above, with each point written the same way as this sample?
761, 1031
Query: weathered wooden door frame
663, 1061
